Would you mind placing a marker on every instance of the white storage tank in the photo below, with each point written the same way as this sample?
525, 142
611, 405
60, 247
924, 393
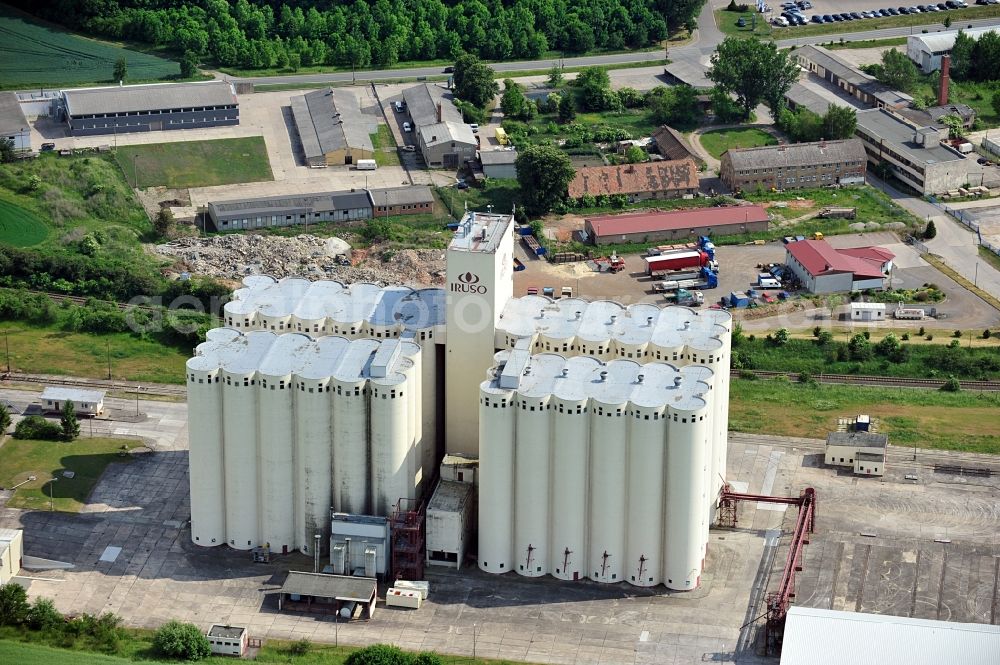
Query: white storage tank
350, 440
531, 482
391, 477
207, 463
570, 470
496, 479
608, 464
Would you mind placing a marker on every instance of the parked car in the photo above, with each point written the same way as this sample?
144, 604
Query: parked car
475, 127
407, 127
951, 4
741, 23
398, 106
827, 18
856, 16
780, 21
449, 69
816, 18
409, 148
461, 184
46, 147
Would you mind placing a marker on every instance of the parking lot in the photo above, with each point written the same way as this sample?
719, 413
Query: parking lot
159, 575
857, 11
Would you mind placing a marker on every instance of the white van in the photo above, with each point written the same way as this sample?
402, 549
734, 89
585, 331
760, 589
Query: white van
367, 165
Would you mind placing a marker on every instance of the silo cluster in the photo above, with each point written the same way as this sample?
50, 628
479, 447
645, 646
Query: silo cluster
597, 470
284, 428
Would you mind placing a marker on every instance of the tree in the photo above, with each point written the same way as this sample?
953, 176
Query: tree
897, 71
164, 223
995, 102
555, 77
474, 81
781, 337
43, 615
956, 129
4, 419
567, 109
962, 54
183, 641
543, 172
38, 429
121, 69
839, 122
947, 21
13, 604
594, 85
930, 231
6, 150
294, 61
70, 425
189, 65
513, 103
635, 155
859, 348
754, 71
379, 654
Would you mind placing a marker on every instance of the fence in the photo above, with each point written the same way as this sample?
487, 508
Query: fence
966, 220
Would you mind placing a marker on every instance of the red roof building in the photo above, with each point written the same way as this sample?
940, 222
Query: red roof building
675, 224
824, 269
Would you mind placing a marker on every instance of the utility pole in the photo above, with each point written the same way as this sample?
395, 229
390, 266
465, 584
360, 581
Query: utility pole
135, 174
109, 360
137, 389
6, 343
51, 482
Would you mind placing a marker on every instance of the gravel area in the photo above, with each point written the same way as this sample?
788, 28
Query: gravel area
235, 256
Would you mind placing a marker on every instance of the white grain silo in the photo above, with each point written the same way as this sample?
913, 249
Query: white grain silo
275, 429
532, 475
206, 459
349, 391
497, 414
239, 425
391, 438
688, 454
611, 388
647, 437
570, 469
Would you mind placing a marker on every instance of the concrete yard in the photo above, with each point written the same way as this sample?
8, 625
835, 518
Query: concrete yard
875, 550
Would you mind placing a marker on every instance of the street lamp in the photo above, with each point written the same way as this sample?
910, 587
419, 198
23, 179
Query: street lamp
135, 174
473, 641
6, 343
51, 482
137, 389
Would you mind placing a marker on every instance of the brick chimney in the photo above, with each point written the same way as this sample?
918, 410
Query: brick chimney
440, 112
945, 80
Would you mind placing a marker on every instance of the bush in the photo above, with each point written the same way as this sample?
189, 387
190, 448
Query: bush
824, 337
747, 375
951, 385
987, 333
921, 331
299, 647
957, 333
379, 654
36, 427
929, 338
43, 615
183, 641
427, 658
13, 604
905, 337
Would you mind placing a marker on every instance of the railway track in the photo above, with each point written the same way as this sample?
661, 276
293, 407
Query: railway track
104, 384
82, 300
870, 380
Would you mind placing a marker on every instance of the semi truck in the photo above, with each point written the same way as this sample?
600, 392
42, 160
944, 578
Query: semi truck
675, 292
702, 277
678, 260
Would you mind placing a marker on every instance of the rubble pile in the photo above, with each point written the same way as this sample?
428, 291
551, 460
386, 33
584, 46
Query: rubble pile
234, 256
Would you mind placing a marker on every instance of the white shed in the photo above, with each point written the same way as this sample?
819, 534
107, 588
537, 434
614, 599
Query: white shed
10, 553
85, 402
867, 311
228, 640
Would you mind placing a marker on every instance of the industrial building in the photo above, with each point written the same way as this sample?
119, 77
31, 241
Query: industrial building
499, 164
332, 128
11, 552
815, 636
793, 166
926, 50
228, 640
652, 180
860, 450
672, 145
13, 125
915, 155
320, 398
346, 596
824, 269
850, 80
867, 311
271, 211
444, 139
675, 224
411, 200
150, 108
85, 402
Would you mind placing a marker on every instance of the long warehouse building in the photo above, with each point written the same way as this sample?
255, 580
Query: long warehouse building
599, 429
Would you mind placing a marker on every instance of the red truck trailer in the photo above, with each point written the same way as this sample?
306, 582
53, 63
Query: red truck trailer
688, 258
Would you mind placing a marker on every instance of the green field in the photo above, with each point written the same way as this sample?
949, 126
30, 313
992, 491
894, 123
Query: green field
925, 418
86, 458
20, 227
385, 147
34, 54
718, 141
196, 163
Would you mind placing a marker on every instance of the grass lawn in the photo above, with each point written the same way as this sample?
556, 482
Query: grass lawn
39, 54
51, 350
45, 460
872, 205
926, 418
727, 23
501, 194
196, 163
868, 43
718, 141
385, 147
977, 95
989, 257
20, 227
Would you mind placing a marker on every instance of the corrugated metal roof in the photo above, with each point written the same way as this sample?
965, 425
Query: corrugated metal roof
329, 120
832, 63
495, 157
799, 95
422, 105
12, 119
830, 637
816, 153
156, 97
403, 195
642, 222
268, 205
447, 132
942, 42
341, 587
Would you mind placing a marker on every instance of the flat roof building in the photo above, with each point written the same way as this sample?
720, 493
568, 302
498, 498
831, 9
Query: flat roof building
915, 155
926, 50
13, 124
816, 636
327, 594
824, 269
799, 96
444, 139
795, 165
651, 180
11, 552
332, 128
675, 224
150, 108
85, 402
862, 451
228, 640
499, 163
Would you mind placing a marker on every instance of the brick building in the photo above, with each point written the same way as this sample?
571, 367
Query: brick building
795, 166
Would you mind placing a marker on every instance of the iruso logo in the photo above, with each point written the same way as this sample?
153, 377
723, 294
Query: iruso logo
468, 282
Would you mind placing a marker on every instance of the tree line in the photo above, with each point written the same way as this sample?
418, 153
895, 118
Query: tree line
380, 33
